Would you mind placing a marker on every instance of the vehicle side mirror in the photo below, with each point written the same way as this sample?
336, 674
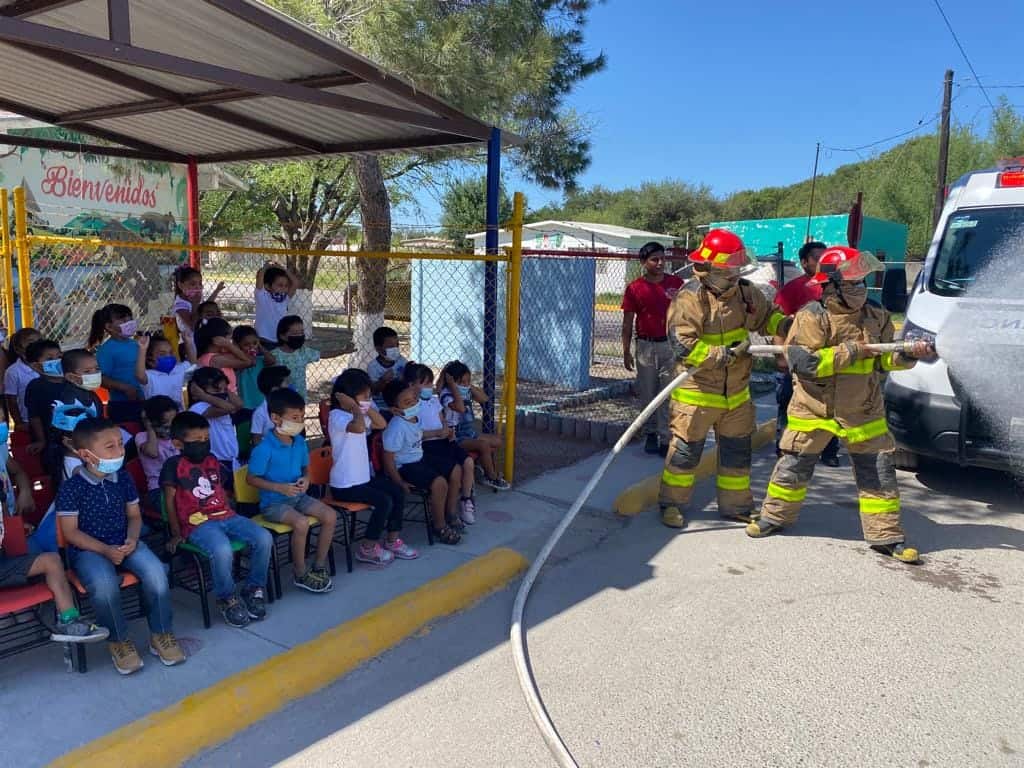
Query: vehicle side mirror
894, 290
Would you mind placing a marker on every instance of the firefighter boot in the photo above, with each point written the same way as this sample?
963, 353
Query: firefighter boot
760, 528
672, 516
898, 552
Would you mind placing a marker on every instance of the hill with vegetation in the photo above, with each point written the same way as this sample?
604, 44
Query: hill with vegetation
898, 184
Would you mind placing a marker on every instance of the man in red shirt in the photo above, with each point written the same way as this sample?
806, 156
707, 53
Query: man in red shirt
645, 305
791, 299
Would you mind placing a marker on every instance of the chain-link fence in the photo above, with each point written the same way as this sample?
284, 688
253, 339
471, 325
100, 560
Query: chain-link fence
434, 300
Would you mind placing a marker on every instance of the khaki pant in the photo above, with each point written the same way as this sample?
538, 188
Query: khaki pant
655, 366
734, 430
873, 470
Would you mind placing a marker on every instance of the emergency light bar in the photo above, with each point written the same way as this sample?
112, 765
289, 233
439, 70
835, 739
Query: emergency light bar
1010, 179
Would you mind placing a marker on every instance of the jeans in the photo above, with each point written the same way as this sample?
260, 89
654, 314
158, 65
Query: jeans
103, 583
783, 394
387, 499
214, 538
654, 369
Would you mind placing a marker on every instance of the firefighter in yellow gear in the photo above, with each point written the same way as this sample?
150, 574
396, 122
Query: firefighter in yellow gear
709, 324
837, 384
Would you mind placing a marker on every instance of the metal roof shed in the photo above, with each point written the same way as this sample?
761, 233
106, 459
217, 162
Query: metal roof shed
209, 80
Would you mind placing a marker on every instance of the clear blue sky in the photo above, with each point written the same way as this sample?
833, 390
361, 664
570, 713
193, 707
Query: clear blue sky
736, 93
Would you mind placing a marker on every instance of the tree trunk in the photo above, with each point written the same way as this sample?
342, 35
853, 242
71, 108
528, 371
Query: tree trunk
375, 211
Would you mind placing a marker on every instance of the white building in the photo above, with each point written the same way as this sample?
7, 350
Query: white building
562, 236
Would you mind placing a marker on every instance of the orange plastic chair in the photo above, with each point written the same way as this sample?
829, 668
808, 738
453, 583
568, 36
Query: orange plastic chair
320, 462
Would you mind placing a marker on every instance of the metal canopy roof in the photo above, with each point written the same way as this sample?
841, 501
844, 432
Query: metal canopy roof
213, 80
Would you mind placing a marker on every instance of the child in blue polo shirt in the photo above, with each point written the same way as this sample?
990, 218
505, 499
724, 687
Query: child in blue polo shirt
278, 469
98, 513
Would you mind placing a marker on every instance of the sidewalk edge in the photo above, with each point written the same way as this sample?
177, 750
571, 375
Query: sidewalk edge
208, 717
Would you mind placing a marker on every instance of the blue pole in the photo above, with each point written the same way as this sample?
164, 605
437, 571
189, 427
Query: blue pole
491, 275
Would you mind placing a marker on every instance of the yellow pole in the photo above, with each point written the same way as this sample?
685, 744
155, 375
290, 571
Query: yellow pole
515, 279
6, 261
24, 267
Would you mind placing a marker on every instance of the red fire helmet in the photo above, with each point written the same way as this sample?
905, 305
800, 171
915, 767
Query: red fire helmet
721, 249
848, 264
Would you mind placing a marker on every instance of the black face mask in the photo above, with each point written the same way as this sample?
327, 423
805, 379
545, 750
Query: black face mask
296, 342
196, 451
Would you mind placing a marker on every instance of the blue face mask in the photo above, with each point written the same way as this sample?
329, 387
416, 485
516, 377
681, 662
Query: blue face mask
464, 391
278, 297
426, 393
166, 363
53, 368
412, 411
110, 466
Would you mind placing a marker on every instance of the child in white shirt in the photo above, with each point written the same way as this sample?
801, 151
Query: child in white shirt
275, 287
159, 371
388, 366
18, 376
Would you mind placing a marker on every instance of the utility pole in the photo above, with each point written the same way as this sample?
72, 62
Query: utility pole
814, 181
940, 188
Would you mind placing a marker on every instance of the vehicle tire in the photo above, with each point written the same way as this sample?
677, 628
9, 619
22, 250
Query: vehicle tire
906, 460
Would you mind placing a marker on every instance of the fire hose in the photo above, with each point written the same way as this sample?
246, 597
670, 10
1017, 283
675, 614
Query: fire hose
563, 757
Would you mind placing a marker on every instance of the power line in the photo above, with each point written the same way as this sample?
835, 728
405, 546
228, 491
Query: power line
920, 124
963, 53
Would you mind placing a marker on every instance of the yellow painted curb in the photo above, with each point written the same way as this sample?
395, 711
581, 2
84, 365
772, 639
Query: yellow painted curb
640, 496
608, 307
215, 714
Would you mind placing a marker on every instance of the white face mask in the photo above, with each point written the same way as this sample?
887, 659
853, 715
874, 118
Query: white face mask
91, 381
393, 353
291, 428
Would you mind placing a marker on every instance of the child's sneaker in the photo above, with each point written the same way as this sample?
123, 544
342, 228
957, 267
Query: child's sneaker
401, 550
165, 647
374, 554
78, 630
312, 582
324, 575
234, 612
467, 511
255, 600
497, 483
125, 657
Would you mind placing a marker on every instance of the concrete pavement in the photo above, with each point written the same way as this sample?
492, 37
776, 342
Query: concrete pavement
707, 648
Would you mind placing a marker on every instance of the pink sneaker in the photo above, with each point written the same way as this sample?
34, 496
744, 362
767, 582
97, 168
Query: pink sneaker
401, 550
374, 555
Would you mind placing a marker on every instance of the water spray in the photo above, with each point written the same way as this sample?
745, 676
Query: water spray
563, 757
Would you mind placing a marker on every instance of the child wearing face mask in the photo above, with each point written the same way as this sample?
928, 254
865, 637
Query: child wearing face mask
18, 375
117, 356
98, 512
66, 381
439, 445
270, 380
154, 442
159, 371
388, 366
352, 418
457, 396
188, 299
212, 399
278, 469
293, 352
275, 287
198, 511
248, 341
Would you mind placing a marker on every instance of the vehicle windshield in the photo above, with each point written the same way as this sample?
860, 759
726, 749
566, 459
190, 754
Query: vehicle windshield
972, 239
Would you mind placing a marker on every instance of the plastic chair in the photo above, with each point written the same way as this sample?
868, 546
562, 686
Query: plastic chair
320, 462
21, 636
324, 415
248, 497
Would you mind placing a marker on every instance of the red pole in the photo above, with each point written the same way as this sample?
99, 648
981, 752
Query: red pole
192, 188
